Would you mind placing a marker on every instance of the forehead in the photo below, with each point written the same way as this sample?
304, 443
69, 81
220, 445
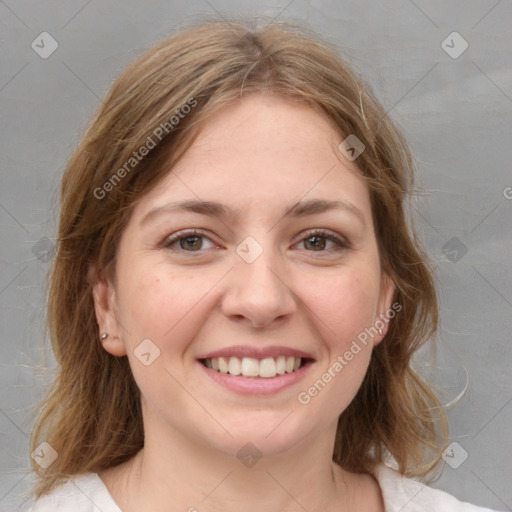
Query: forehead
261, 152
264, 126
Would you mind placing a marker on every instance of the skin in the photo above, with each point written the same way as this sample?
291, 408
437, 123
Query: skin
260, 156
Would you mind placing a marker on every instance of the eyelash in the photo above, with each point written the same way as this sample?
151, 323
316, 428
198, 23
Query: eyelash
323, 233
181, 235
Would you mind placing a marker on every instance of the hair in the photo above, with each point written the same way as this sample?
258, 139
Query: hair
92, 414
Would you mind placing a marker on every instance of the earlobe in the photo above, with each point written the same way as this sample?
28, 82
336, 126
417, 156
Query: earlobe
113, 345
104, 307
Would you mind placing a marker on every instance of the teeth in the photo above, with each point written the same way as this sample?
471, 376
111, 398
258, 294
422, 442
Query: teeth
223, 365
235, 367
252, 367
268, 367
280, 365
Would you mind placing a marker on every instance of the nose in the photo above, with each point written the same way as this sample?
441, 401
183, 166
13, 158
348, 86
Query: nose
258, 292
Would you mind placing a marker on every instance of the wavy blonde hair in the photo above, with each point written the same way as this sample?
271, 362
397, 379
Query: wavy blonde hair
92, 415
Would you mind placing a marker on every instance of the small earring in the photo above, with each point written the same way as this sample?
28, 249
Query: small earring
104, 336
380, 331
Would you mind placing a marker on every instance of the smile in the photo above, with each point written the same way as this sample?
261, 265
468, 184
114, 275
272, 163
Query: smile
267, 367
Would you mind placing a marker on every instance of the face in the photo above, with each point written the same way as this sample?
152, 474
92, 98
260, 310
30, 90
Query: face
245, 280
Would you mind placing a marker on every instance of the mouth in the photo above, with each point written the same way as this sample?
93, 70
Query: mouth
256, 371
265, 368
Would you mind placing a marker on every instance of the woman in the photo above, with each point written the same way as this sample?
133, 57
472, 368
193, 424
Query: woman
238, 292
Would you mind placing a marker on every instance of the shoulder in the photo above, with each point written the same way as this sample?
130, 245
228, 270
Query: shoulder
85, 492
408, 495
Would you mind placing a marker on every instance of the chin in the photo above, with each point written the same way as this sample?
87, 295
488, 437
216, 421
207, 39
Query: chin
260, 433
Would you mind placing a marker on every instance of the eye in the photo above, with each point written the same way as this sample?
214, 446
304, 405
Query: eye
320, 240
189, 241
317, 240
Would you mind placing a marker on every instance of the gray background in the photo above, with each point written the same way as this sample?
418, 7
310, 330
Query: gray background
456, 113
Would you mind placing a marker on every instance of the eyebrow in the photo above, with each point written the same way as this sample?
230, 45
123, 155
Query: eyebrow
214, 209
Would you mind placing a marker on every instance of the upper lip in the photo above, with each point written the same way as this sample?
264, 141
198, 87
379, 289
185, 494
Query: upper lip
241, 351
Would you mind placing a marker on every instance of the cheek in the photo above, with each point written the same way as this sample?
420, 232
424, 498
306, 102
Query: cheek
344, 303
162, 305
148, 304
344, 308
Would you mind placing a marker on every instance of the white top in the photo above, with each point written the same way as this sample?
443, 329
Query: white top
87, 493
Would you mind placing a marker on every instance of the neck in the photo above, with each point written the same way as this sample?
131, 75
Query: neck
173, 473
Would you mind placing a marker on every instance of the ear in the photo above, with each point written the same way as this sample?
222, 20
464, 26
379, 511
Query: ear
385, 311
104, 297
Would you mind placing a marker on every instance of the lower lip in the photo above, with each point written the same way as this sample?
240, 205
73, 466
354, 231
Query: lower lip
257, 385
